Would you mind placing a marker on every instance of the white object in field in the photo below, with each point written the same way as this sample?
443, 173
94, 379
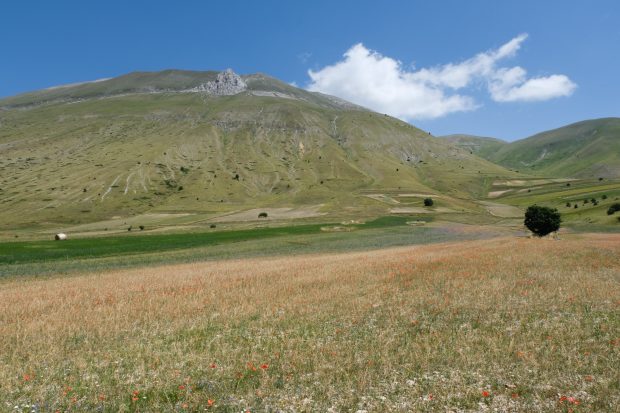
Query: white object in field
60, 237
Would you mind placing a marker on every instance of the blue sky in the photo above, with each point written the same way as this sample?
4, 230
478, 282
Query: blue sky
403, 55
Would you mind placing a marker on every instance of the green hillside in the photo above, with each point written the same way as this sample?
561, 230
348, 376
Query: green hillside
481, 146
137, 82
588, 149
146, 148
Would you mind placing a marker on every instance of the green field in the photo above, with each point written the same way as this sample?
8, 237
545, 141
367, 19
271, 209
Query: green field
105, 253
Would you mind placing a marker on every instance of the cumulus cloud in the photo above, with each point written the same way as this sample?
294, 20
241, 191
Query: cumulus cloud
511, 85
381, 83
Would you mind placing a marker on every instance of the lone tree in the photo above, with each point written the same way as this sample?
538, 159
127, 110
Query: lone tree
428, 202
542, 220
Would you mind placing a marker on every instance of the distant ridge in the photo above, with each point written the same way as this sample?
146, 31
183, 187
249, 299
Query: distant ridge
480, 145
586, 149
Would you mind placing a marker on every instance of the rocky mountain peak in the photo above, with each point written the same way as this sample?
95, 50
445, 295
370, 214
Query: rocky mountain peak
226, 83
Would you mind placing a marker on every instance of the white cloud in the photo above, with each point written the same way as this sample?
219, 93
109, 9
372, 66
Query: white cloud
381, 83
511, 87
378, 82
460, 75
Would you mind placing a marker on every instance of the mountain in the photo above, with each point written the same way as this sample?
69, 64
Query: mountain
588, 149
480, 145
201, 145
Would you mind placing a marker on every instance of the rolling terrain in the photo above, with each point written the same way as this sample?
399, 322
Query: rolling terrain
482, 146
588, 150
178, 148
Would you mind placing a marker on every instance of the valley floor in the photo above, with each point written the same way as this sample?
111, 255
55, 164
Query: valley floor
505, 324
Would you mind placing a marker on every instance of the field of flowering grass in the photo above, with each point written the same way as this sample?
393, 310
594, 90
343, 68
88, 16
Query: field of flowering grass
506, 324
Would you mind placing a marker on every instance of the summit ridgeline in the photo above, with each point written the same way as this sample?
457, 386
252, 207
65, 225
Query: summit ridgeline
227, 83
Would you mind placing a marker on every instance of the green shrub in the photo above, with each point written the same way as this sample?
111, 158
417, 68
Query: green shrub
613, 208
428, 202
542, 220
263, 215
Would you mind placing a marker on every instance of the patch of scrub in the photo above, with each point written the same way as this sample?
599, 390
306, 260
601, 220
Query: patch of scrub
272, 214
520, 191
119, 223
417, 210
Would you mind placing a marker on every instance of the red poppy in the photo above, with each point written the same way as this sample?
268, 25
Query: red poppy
213, 365
210, 402
485, 393
264, 366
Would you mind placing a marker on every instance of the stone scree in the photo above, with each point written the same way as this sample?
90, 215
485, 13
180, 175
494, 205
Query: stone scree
227, 83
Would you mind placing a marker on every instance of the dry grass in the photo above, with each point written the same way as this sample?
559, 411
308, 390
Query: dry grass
504, 325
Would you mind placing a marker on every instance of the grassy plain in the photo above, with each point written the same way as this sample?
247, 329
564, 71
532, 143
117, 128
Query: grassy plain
504, 324
43, 258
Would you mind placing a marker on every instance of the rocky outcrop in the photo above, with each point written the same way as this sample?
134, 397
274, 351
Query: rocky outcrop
227, 83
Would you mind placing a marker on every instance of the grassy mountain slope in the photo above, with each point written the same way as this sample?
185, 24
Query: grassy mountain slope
136, 82
588, 149
121, 148
481, 146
